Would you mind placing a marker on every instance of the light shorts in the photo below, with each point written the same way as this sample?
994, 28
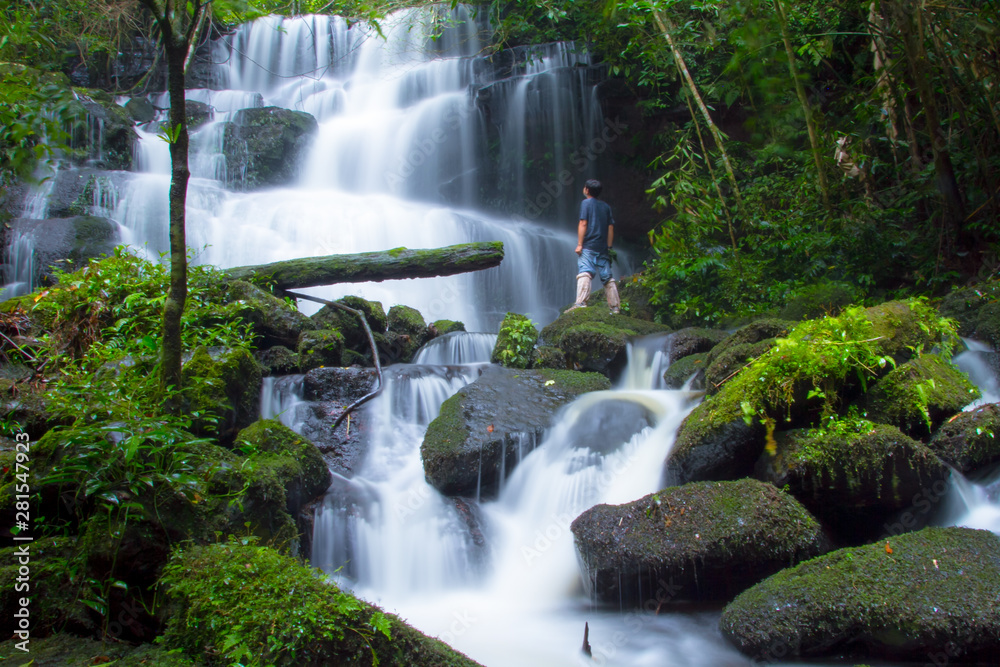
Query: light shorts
594, 263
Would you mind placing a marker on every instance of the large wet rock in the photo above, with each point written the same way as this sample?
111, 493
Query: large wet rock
970, 441
108, 133
349, 325
327, 392
755, 332
693, 340
714, 442
594, 339
706, 541
66, 243
726, 364
919, 395
274, 320
691, 367
857, 483
265, 146
812, 301
902, 328
483, 429
929, 596
407, 332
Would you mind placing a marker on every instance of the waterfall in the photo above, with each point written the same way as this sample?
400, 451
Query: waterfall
458, 347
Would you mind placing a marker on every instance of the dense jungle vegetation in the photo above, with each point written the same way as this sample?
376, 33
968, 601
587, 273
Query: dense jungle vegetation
846, 149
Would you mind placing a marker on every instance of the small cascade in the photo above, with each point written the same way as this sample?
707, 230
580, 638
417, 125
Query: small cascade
458, 347
648, 359
982, 363
975, 504
281, 399
19, 265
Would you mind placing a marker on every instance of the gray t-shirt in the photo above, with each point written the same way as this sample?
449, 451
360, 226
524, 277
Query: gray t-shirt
598, 216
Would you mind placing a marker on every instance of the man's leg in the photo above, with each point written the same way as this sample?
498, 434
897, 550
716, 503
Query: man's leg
611, 292
583, 281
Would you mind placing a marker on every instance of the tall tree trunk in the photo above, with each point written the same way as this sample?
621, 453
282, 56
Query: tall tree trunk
665, 26
804, 101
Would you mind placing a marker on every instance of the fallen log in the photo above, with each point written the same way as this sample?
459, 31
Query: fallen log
372, 266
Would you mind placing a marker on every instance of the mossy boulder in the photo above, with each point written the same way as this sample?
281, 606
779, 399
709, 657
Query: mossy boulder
443, 327
548, 356
724, 365
26, 403
349, 325
275, 321
811, 301
67, 243
197, 113
693, 340
594, 339
140, 110
856, 483
293, 462
515, 342
901, 328
977, 310
755, 332
320, 348
970, 442
407, 331
406, 320
265, 146
222, 391
715, 443
919, 395
924, 596
277, 360
691, 367
706, 541
634, 295
480, 432
231, 600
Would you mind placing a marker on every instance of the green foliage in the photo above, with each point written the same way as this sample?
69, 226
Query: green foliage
234, 604
515, 342
34, 112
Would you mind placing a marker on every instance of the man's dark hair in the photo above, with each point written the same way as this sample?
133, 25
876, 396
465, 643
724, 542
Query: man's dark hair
594, 187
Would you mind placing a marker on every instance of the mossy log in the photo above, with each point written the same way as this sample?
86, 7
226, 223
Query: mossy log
373, 266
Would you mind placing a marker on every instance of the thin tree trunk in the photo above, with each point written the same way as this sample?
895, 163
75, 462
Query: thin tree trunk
665, 27
804, 101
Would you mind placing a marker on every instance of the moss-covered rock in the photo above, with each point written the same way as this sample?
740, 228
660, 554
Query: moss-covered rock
443, 327
114, 145
232, 600
691, 367
67, 243
901, 328
971, 440
26, 403
406, 333
706, 541
724, 365
914, 597
277, 360
480, 432
274, 320
553, 333
715, 443
755, 332
140, 109
319, 348
635, 298
977, 310
515, 342
855, 482
197, 113
349, 325
293, 461
919, 395
594, 339
548, 356
222, 391
811, 301
406, 320
693, 340
264, 146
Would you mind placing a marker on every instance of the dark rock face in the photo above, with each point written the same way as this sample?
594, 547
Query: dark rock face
856, 485
265, 146
67, 243
727, 363
705, 541
277, 360
109, 134
483, 429
919, 395
971, 441
693, 340
714, 443
681, 371
923, 594
977, 310
196, 113
329, 391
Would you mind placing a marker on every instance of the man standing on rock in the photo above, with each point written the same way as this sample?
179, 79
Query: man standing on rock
596, 234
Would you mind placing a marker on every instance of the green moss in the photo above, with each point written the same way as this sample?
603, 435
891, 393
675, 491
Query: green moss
232, 601
67, 650
907, 594
971, 441
318, 348
447, 326
548, 356
918, 395
349, 325
515, 342
406, 320
396, 252
730, 361
825, 298
681, 370
553, 333
449, 429
575, 382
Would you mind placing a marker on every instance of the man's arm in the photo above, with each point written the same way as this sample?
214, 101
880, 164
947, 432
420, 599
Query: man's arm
581, 232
